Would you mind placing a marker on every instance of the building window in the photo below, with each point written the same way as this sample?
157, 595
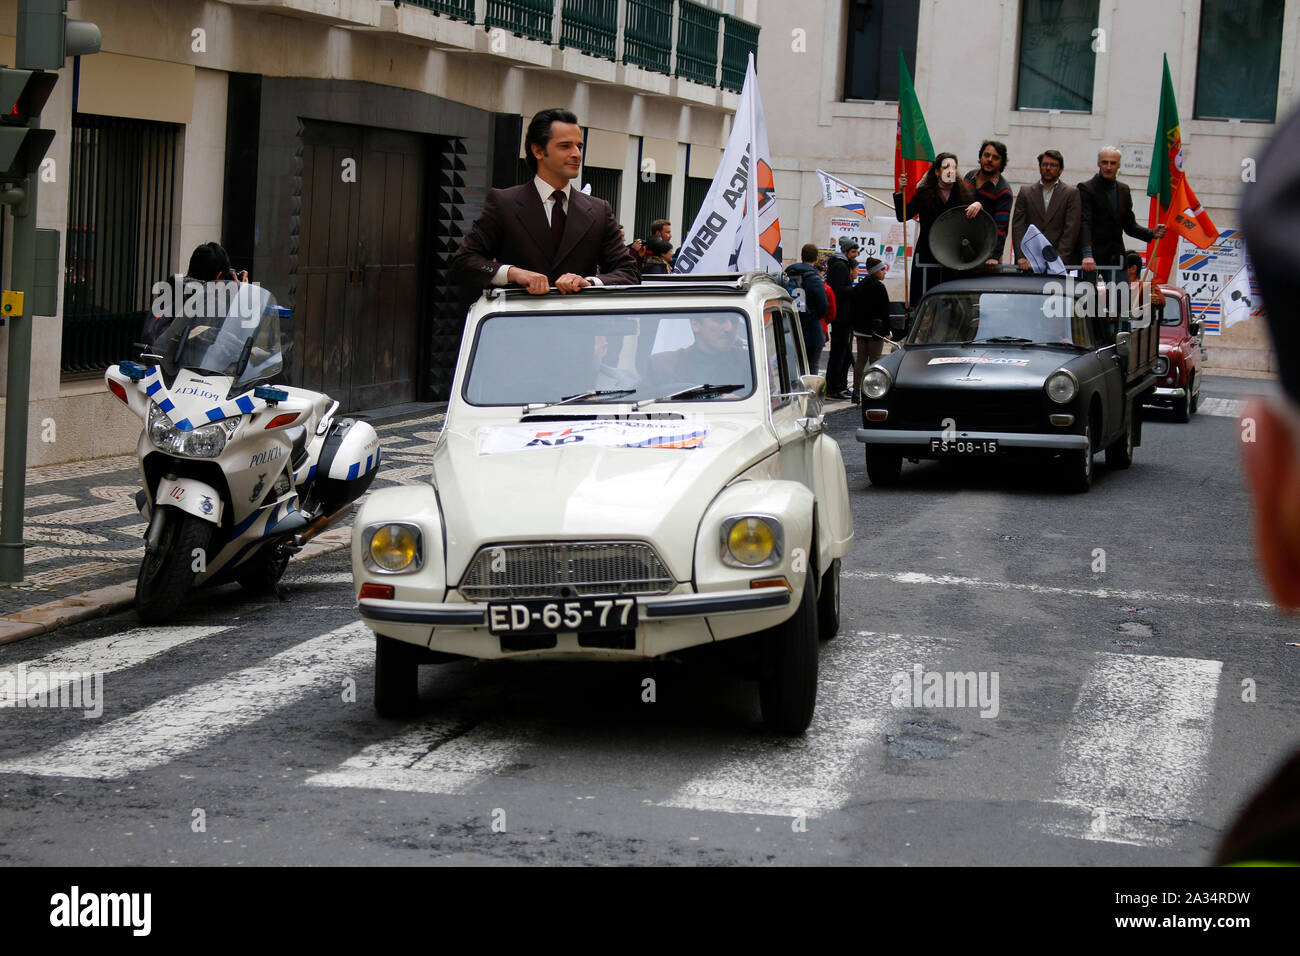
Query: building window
1239, 53
652, 199
606, 184
121, 219
1057, 61
697, 190
876, 29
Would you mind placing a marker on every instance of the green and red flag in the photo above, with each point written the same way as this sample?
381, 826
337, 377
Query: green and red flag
913, 152
1172, 200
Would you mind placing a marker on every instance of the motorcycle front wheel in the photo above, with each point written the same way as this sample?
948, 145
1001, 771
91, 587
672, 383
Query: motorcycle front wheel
167, 572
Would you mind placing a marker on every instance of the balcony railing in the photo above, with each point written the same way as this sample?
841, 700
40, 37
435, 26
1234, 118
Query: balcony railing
456, 9
738, 41
647, 35
590, 26
527, 18
697, 43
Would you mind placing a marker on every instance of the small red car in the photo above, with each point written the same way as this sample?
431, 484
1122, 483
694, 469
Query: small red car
1178, 370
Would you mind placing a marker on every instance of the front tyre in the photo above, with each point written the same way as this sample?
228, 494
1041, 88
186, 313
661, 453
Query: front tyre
167, 572
1076, 466
828, 603
397, 668
787, 691
884, 466
1120, 454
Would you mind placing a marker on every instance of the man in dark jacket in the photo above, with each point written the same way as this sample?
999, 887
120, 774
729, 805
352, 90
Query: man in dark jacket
813, 305
1107, 214
839, 276
870, 303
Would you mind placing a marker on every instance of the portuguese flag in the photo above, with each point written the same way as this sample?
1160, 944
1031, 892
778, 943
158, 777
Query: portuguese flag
913, 152
1172, 200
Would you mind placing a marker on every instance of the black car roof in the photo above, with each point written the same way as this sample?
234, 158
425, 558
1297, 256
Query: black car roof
1024, 284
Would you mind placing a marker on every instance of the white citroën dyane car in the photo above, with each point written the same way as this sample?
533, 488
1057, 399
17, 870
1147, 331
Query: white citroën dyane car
624, 473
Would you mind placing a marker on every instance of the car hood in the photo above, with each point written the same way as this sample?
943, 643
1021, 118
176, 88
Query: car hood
996, 367
585, 491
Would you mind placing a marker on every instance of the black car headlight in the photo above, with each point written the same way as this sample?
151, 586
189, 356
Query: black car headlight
1061, 386
1162, 365
876, 383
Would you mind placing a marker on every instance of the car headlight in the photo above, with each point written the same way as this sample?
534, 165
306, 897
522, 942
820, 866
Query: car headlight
751, 541
392, 548
1162, 365
1062, 386
876, 382
206, 442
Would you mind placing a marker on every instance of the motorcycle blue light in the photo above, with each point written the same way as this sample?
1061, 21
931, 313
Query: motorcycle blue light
132, 371
268, 394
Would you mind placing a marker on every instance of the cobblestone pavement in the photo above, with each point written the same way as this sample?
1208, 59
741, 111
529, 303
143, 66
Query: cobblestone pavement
83, 531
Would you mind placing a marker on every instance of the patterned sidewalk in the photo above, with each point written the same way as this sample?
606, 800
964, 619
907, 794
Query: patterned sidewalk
83, 531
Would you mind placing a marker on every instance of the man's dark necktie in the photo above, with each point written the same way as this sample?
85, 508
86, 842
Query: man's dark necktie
557, 219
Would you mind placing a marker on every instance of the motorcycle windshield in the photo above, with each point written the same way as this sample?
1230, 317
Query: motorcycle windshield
228, 328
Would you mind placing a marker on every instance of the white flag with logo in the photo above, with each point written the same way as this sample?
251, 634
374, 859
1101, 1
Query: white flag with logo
1241, 299
737, 228
836, 192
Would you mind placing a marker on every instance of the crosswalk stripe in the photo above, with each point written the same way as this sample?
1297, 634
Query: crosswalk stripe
1134, 754
808, 774
192, 719
104, 655
1223, 407
439, 756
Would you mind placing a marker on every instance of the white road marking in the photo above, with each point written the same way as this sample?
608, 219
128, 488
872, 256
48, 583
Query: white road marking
1223, 407
953, 580
1134, 754
782, 777
324, 577
438, 756
104, 655
190, 720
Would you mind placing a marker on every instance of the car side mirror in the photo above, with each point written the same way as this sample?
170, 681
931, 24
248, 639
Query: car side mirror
1122, 344
816, 386
1195, 327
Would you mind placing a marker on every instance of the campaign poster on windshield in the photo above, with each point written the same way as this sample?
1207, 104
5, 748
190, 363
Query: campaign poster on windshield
607, 434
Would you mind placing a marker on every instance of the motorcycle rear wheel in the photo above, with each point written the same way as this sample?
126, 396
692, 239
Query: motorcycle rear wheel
261, 573
167, 573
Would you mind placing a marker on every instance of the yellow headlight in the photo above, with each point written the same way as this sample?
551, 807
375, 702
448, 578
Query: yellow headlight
393, 547
751, 541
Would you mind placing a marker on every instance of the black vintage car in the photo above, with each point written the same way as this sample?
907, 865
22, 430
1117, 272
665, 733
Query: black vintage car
1012, 365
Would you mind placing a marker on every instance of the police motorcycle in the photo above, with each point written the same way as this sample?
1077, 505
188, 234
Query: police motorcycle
238, 474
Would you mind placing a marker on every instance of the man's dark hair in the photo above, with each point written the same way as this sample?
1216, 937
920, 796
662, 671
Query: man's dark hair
209, 261
1049, 153
659, 224
809, 252
539, 132
999, 148
1131, 259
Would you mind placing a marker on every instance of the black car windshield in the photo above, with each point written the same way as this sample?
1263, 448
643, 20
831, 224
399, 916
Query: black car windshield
586, 359
1004, 318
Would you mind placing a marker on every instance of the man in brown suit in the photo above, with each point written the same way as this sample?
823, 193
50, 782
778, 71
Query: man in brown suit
545, 232
1052, 206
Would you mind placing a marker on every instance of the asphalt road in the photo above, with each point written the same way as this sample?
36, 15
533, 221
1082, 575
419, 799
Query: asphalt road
1116, 732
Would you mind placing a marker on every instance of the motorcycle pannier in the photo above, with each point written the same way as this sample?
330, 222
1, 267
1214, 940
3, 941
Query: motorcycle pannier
348, 462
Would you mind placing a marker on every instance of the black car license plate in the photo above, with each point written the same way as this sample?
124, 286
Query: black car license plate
964, 446
570, 615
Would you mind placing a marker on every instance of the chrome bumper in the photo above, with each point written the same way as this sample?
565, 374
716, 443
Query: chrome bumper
651, 608
894, 436
1169, 393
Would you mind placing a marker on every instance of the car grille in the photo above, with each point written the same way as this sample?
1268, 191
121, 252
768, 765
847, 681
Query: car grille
577, 569
972, 409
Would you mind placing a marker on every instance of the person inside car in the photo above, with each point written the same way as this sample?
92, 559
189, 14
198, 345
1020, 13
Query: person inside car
716, 357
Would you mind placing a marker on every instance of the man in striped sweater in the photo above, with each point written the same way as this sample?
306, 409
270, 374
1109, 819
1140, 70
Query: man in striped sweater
993, 193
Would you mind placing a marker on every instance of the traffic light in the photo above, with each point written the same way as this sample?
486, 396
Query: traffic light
23, 93
46, 37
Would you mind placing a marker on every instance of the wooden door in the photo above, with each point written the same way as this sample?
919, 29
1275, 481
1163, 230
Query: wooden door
358, 315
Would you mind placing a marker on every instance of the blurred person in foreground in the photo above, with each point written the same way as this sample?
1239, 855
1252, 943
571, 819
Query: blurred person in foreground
1268, 830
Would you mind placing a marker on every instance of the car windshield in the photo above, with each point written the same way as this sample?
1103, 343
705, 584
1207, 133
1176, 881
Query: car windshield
594, 358
1173, 311
236, 333
1004, 318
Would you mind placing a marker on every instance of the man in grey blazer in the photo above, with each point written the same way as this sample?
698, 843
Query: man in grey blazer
1052, 206
545, 233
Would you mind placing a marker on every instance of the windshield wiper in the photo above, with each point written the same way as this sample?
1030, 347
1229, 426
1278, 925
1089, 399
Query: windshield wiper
695, 391
581, 396
1012, 339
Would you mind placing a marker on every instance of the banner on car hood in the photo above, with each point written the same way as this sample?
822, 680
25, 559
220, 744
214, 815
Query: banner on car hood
605, 434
